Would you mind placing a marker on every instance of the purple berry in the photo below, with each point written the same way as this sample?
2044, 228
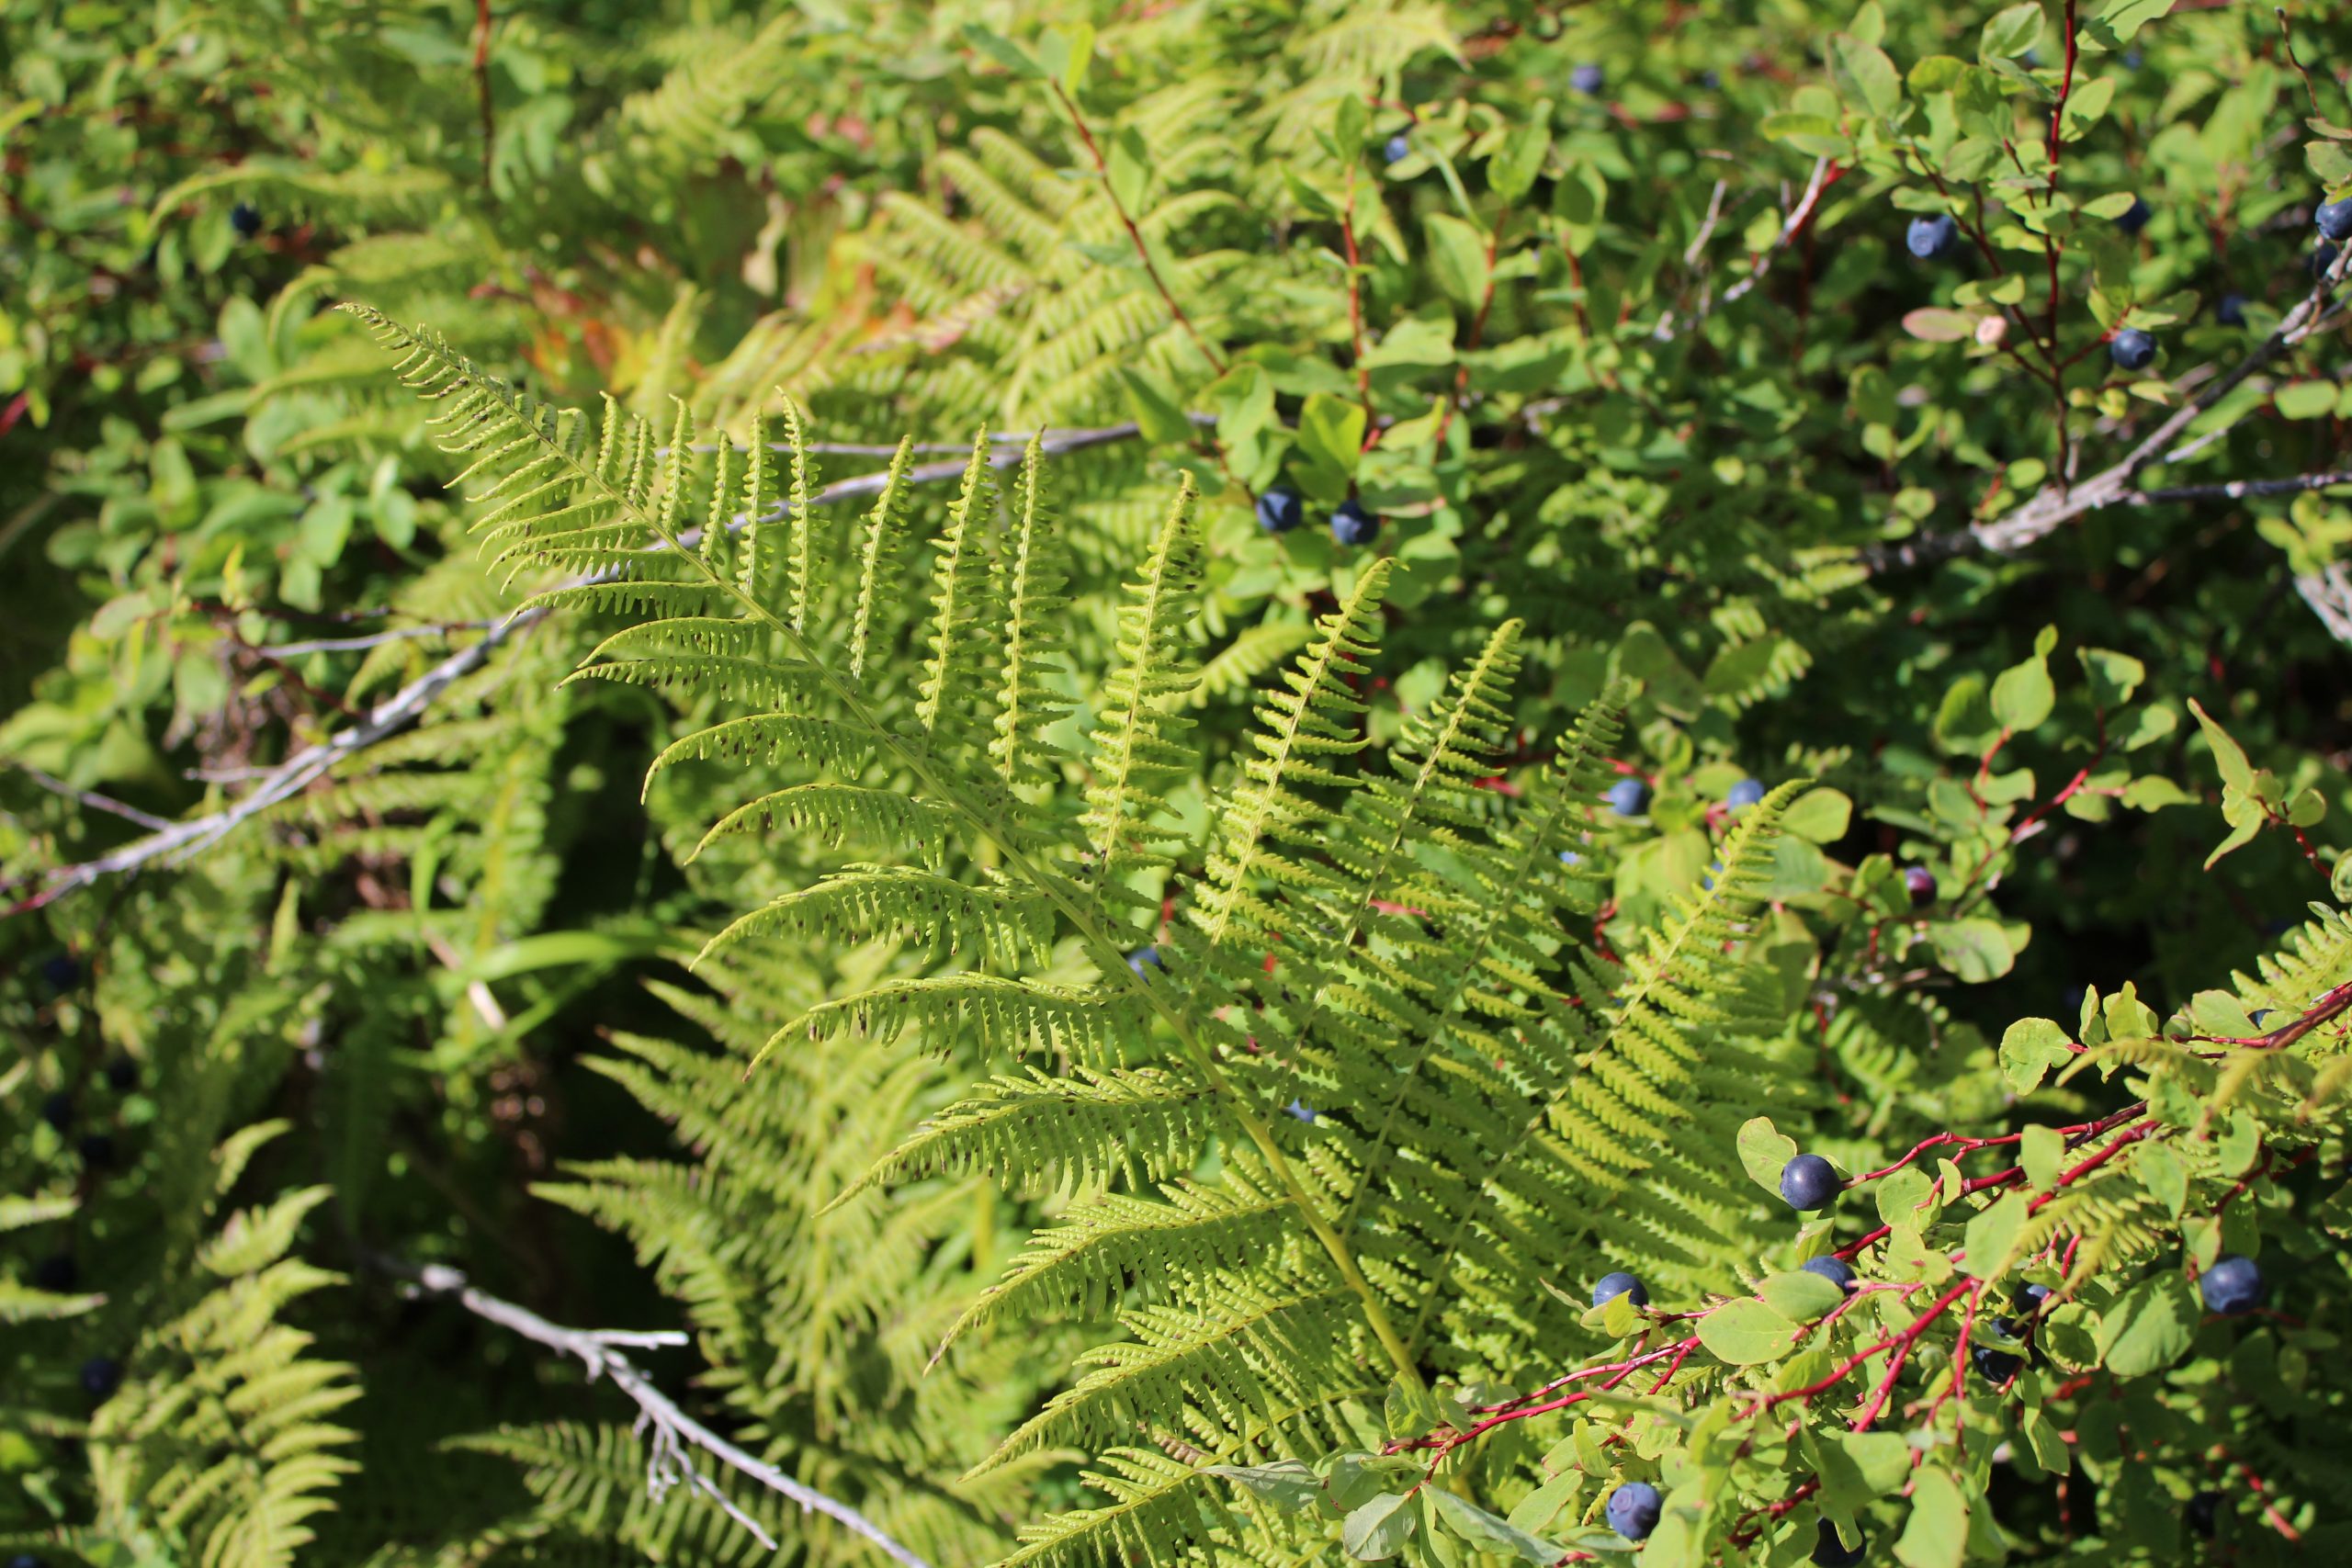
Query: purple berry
1833, 1269
1628, 798
1809, 1182
1352, 526
2132, 349
1921, 884
1587, 79
2233, 1287
1632, 1510
1611, 1286
2334, 220
2135, 216
1930, 235
1747, 792
1280, 511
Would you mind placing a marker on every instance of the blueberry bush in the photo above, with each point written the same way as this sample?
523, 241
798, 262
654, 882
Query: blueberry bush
1314, 781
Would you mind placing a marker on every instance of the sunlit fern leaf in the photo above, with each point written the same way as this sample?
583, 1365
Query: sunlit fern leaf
1000, 924
1138, 754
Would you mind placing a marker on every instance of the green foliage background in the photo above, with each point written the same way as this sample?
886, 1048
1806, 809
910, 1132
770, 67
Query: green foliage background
1680, 455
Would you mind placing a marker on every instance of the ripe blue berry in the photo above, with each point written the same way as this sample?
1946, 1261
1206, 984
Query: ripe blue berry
60, 970
2031, 1297
1569, 857
1144, 958
1921, 884
1747, 792
2323, 258
2258, 1015
1628, 798
2231, 1287
1707, 878
101, 1375
1833, 1269
1299, 1109
1398, 148
56, 1274
1828, 1551
2132, 349
1632, 1510
1587, 79
1996, 1366
58, 1111
2199, 1513
2231, 311
1809, 1181
1930, 235
1280, 511
1351, 525
2135, 216
1619, 1283
2334, 220
245, 219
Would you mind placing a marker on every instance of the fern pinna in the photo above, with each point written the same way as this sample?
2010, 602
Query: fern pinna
1372, 998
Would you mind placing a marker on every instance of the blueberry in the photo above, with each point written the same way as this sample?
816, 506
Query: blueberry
1144, 958
1996, 1366
1632, 1510
1930, 235
2258, 1015
1710, 79
2199, 1511
1587, 79
1619, 1283
1628, 798
1833, 1269
60, 970
1569, 857
2231, 1287
2009, 1329
1280, 511
1707, 879
2132, 349
1921, 884
2323, 258
2334, 220
56, 1274
245, 219
1398, 148
2135, 216
1747, 792
98, 1151
1809, 1181
101, 1375
1299, 1109
2032, 1297
2231, 311
58, 1111
122, 1075
1351, 525
1828, 1551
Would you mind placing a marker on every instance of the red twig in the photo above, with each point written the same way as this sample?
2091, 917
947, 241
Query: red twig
1135, 234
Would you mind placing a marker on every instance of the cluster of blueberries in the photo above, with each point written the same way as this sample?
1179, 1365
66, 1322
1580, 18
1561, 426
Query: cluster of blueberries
2231, 1287
96, 1149
1630, 797
1281, 510
1931, 235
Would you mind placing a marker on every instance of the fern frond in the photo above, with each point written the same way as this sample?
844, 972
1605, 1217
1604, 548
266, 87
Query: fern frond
999, 1015
1097, 1120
